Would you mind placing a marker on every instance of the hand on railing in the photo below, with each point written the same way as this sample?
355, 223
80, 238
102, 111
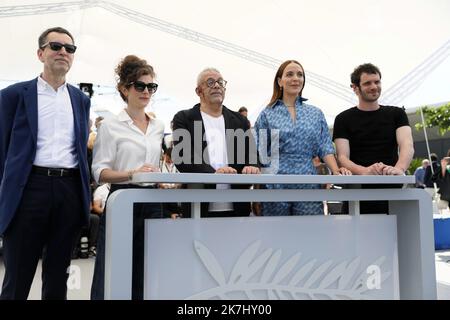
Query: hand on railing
169, 185
375, 169
227, 170
342, 172
251, 170
392, 171
147, 168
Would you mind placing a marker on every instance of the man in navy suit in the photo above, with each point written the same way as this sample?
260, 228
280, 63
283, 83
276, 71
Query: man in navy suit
44, 181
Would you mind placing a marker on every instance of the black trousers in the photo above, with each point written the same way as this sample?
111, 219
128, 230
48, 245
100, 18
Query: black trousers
89, 232
45, 224
371, 207
222, 214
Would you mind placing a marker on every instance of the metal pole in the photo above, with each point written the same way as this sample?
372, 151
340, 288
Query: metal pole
428, 150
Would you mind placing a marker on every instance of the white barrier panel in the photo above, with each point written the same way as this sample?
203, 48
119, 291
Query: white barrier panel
410, 207
309, 257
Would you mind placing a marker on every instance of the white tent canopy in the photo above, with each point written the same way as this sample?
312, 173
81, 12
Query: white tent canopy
180, 38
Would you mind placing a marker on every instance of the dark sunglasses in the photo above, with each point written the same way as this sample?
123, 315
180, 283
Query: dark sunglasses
56, 46
140, 86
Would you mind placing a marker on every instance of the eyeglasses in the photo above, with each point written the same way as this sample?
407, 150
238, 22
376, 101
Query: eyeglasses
211, 82
140, 86
56, 46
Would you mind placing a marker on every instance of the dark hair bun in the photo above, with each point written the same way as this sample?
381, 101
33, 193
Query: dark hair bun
130, 69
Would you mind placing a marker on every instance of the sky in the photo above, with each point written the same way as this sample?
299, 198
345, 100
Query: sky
330, 38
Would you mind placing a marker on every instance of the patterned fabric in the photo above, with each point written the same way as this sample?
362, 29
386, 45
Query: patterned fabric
299, 142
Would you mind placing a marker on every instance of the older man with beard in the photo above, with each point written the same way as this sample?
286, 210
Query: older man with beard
372, 139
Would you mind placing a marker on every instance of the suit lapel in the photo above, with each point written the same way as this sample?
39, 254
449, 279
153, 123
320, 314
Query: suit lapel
30, 99
197, 116
227, 118
229, 138
75, 102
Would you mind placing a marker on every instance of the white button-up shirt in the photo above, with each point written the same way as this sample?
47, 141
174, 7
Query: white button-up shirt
122, 146
55, 136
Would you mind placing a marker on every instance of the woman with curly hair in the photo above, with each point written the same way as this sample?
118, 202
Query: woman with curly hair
127, 144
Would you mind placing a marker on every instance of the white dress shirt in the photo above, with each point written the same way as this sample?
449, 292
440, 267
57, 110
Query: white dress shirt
55, 136
122, 146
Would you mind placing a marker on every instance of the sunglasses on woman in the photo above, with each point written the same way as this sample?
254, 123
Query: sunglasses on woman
56, 46
140, 86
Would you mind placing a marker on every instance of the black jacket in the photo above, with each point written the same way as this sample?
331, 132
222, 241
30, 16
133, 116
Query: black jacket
429, 178
186, 119
443, 183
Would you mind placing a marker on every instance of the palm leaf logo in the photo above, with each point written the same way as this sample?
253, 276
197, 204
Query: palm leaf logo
311, 280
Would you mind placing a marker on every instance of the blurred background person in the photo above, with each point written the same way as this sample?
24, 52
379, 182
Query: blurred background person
244, 112
443, 182
431, 175
420, 174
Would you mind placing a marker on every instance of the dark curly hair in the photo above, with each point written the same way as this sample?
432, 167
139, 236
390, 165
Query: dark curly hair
130, 69
368, 68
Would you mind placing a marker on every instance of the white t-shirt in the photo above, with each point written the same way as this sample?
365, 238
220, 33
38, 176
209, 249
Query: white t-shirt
217, 152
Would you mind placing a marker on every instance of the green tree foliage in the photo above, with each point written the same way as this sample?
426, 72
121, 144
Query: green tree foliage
436, 117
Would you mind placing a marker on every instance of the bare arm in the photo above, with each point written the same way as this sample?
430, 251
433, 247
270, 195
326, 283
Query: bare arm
343, 156
406, 148
331, 163
406, 152
113, 176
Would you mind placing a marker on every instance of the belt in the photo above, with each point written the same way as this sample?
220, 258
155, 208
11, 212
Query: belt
55, 172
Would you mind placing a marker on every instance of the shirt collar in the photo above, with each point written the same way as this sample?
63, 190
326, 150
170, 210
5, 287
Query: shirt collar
44, 86
123, 116
298, 101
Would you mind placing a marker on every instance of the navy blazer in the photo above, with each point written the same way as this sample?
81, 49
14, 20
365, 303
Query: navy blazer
186, 119
18, 141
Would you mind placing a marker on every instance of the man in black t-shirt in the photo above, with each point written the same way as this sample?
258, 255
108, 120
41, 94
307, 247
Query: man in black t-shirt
372, 139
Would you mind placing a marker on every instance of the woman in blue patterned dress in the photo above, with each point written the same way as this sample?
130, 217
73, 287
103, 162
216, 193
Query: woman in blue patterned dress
302, 134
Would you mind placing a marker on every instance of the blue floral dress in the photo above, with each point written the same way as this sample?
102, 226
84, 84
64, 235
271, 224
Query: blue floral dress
299, 143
